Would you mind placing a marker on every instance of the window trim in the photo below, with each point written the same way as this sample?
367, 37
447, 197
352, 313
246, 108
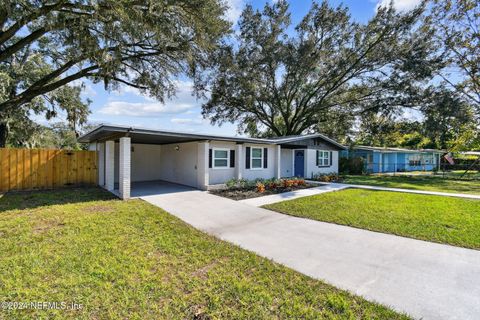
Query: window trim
322, 165
227, 166
256, 158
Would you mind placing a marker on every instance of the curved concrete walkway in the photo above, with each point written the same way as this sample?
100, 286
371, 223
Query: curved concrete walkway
261, 201
423, 279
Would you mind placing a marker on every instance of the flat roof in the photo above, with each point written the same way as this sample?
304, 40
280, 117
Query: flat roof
387, 149
144, 135
471, 153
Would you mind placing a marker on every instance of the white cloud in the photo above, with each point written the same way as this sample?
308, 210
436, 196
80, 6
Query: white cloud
143, 109
234, 11
188, 121
399, 5
148, 107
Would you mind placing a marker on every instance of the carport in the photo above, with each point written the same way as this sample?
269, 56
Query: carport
132, 160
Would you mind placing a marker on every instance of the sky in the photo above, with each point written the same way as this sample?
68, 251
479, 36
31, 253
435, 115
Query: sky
128, 106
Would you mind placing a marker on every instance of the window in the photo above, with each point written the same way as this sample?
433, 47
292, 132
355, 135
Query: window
221, 158
370, 158
323, 158
414, 160
257, 158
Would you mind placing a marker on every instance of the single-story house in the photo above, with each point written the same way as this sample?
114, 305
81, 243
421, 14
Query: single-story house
127, 155
379, 159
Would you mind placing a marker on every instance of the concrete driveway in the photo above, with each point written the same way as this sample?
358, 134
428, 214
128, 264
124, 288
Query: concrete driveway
423, 279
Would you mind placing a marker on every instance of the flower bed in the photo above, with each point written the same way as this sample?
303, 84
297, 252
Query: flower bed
327, 177
246, 189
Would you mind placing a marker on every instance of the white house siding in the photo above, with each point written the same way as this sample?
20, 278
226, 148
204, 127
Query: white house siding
286, 165
311, 164
116, 160
146, 159
269, 172
220, 175
179, 166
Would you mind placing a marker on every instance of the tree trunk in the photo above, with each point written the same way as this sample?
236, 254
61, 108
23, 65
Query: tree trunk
3, 134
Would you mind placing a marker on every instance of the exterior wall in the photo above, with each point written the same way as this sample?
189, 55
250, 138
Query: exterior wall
116, 161
202, 165
269, 172
109, 165
431, 158
286, 159
146, 160
389, 162
179, 166
311, 168
402, 162
394, 161
221, 175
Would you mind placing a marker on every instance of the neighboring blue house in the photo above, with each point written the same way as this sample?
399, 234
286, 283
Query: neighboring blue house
379, 159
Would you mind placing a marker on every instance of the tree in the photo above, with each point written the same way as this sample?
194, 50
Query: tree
444, 121
456, 26
56, 136
390, 130
16, 126
276, 83
448, 118
143, 44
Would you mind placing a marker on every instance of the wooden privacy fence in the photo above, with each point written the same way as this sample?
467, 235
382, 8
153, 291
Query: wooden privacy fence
29, 169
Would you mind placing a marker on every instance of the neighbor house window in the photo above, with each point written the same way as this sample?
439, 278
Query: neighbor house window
221, 158
414, 161
257, 158
323, 158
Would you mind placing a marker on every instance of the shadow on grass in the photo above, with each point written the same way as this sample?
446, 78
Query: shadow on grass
33, 199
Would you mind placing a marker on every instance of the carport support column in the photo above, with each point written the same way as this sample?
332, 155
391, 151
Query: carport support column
124, 168
101, 164
203, 176
278, 156
110, 165
239, 161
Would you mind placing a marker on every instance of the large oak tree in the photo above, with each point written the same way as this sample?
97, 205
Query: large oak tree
278, 80
456, 28
139, 43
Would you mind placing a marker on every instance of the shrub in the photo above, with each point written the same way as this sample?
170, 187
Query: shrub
354, 165
287, 183
237, 183
326, 177
260, 187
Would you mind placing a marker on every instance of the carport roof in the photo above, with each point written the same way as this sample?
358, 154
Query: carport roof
150, 136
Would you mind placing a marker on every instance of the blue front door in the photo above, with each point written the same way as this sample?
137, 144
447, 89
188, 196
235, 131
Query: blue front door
299, 163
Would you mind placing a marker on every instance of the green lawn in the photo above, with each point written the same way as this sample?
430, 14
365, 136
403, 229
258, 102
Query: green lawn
132, 260
433, 218
430, 183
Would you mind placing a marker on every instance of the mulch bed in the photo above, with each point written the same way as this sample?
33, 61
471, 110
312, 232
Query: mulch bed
241, 194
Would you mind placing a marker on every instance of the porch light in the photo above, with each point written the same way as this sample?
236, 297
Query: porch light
177, 147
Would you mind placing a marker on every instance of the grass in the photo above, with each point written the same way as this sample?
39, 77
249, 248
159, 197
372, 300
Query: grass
131, 260
429, 183
432, 218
